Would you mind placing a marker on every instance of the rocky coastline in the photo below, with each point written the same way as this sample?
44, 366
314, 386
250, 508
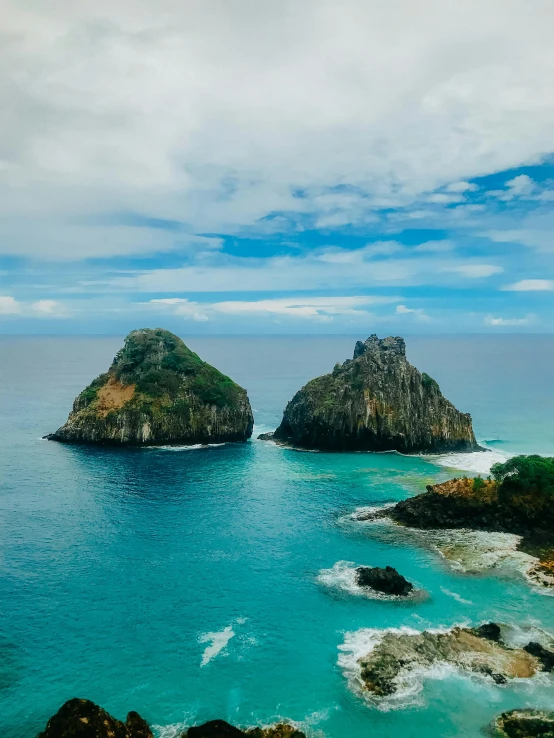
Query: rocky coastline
461, 503
79, 718
157, 392
376, 401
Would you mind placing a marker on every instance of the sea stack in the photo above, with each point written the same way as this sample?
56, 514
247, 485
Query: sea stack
376, 401
158, 391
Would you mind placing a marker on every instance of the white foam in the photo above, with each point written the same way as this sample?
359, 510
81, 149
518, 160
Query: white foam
474, 551
218, 641
478, 462
174, 730
360, 513
192, 447
456, 596
342, 576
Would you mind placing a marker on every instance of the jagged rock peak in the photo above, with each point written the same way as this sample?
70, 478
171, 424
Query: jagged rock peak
392, 344
376, 401
158, 391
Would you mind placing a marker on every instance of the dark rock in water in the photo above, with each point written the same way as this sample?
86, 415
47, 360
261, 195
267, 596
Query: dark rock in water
221, 729
386, 580
525, 724
266, 436
490, 631
376, 401
544, 655
158, 391
83, 719
214, 729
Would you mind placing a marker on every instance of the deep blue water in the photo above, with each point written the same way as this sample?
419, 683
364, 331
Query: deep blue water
122, 571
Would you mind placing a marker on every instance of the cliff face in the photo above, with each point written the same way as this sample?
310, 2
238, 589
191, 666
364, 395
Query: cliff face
158, 391
376, 401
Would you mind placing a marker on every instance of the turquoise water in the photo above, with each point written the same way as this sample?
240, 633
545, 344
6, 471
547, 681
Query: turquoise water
185, 583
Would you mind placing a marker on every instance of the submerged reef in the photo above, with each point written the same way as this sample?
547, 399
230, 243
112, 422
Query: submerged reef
158, 391
376, 401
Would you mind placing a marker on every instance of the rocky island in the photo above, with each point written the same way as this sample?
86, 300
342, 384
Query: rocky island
376, 401
158, 391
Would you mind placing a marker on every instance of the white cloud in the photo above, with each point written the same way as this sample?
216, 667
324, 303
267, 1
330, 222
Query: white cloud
531, 285
46, 307
521, 186
462, 187
442, 198
493, 321
475, 271
536, 234
331, 268
9, 306
215, 114
307, 308
435, 247
417, 312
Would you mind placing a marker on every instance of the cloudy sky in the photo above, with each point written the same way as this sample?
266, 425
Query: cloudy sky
253, 166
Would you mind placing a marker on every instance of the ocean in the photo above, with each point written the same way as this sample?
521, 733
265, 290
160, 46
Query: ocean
195, 583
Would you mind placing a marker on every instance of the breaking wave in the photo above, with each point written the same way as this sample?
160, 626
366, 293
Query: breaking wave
477, 462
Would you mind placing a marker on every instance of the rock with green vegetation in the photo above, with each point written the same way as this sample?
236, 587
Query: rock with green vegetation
376, 401
158, 391
517, 498
525, 723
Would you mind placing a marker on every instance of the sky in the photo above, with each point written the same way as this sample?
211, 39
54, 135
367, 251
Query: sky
247, 166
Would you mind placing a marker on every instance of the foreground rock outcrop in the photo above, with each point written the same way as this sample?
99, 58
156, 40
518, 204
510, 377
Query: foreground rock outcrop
83, 719
386, 580
376, 401
158, 391
478, 650
221, 729
525, 724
